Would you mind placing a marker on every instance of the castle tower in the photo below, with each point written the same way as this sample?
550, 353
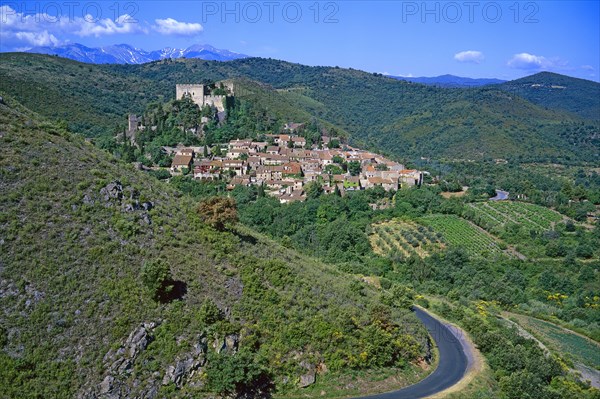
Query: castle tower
195, 91
132, 127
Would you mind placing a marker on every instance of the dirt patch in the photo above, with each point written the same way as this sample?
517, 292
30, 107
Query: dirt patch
449, 194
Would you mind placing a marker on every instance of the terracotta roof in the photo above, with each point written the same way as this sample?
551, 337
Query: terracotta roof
181, 160
380, 180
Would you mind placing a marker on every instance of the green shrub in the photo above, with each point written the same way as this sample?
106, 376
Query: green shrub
156, 277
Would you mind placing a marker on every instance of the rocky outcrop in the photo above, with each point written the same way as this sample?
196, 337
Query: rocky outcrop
119, 364
186, 367
114, 194
122, 359
310, 376
228, 344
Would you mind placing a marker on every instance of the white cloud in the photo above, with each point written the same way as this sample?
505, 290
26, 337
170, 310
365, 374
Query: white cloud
124, 24
170, 26
529, 61
588, 68
19, 29
410, 75
37, 38
473, 56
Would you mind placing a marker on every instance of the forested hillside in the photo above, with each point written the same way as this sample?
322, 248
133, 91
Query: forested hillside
113, 283
554, 91
403, 118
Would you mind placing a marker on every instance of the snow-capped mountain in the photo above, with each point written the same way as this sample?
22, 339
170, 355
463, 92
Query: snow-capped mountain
126, 54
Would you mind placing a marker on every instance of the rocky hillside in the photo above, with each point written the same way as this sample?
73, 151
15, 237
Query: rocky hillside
79, 232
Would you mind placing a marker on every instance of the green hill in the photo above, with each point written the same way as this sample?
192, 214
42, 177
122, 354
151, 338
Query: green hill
80, 234
404, 119
554, 91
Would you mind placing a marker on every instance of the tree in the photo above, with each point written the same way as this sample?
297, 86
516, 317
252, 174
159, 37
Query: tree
333, 170
210, 313
354, 168
156, 277
218, 212
236, 375
337, 191
399, 296
338, 159
261, 191
313, 190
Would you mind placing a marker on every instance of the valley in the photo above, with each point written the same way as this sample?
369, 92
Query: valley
274, 236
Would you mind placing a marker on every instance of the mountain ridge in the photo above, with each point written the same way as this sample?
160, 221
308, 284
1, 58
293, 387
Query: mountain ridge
127, 54
448, 80
556, 91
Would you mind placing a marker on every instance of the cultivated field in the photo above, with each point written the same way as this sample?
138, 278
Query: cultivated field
569, 344
459, 232
405, 238
494, 214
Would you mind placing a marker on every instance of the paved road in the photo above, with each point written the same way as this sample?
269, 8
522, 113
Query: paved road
500, 196
451, 368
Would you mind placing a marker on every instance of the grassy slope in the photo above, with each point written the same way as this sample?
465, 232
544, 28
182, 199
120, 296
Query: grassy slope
400, 117
69, 271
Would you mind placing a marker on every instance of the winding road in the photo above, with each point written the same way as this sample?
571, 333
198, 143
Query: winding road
453, 362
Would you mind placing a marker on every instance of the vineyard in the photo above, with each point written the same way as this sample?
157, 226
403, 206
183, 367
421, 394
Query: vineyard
497, 214
459, 232
404, 238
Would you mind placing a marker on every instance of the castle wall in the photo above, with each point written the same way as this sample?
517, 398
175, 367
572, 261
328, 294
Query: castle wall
215, 101
195, 91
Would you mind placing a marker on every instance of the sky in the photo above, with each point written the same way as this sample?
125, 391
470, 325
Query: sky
499, 39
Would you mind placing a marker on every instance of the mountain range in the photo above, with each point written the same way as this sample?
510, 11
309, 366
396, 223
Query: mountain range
126, 54
450, 81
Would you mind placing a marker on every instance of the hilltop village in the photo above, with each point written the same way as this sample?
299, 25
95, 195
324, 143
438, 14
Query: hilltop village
285, 167
282, 164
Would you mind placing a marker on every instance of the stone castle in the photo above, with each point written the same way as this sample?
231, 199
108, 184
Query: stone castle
203, 94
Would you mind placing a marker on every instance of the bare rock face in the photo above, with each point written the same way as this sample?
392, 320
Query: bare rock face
228, 344
112, 191
119, 364
125, 198
124, 357
310, 376
185, 368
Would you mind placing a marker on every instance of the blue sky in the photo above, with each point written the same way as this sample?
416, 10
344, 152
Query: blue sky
498, 39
